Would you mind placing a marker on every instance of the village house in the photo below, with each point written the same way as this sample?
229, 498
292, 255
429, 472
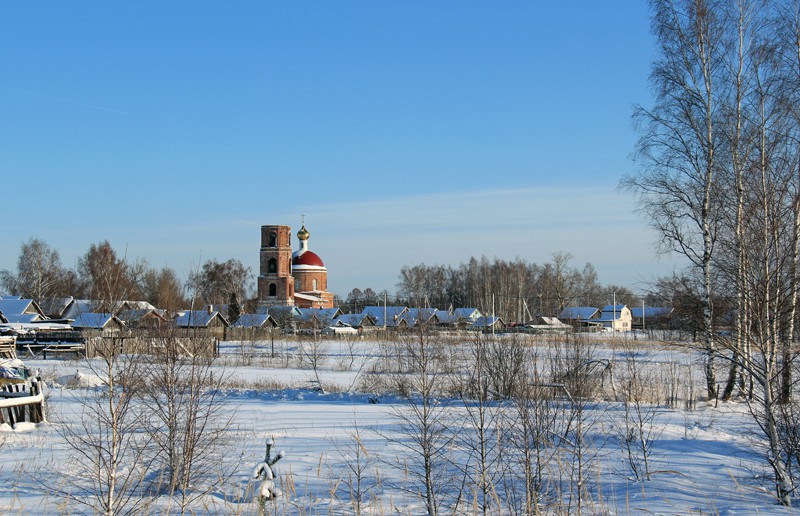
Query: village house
357, 321
616, 318
651, 317
98, 324
209, 321
18, 310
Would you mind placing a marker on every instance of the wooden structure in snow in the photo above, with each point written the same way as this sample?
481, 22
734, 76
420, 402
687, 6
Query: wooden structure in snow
21, 397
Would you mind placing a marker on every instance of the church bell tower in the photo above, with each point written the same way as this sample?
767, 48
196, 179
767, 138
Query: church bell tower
275, 282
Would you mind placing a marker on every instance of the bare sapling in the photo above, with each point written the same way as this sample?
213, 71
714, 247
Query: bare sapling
537, 431
485, 437
426, 433
359, 475
575, 365
189, 416
638, 430
313, 354
108, 442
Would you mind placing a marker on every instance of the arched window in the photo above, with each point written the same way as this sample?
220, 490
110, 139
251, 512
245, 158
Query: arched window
273, 290
273, 239
272, 266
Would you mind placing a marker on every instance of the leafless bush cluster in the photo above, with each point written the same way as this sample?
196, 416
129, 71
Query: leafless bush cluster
523, 443
155, 426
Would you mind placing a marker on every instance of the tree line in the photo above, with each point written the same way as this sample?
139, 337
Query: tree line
103, 274
515, 290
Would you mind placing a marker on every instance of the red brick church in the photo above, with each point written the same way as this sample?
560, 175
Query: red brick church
291, 279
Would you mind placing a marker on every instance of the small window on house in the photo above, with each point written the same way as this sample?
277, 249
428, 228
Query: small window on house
272, 266
273, 290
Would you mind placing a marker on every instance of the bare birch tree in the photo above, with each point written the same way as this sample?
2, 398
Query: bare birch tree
680, 141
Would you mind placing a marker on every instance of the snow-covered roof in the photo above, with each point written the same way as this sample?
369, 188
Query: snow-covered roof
198, 319
129, 316
132, 305
19, 306
307, 297
422, 314
78, 307
487, 321
55, 307
550, 321
445, 317
280, 311
254, 321
651, 311
321, 314
407, 318
393, 314
354, 320
32, 328
467, 313
96, 321
579, 313
23, 318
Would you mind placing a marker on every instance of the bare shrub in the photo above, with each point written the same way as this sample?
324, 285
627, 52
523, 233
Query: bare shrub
574, 365
505, 362
189, 416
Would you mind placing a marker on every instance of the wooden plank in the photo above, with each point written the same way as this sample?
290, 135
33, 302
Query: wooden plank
22, 401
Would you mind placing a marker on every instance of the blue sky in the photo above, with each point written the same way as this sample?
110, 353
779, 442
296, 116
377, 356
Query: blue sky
406, 132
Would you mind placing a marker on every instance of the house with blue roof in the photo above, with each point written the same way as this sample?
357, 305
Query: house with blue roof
16, 306
255, 321
358, 321
467, 316
211, 321
389, 316
98, 323
616, 318
579, 314
488, 322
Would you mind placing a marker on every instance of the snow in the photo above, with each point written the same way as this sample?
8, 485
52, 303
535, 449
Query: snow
706, 460
80, 380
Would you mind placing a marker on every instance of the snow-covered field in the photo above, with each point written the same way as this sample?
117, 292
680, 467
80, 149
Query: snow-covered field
705, 458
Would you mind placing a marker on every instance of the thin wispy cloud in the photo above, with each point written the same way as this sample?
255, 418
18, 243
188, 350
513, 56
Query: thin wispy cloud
65, 101
377, 237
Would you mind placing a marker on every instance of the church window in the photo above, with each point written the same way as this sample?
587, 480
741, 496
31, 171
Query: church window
273, 290
272, 266
273, 239
314, 285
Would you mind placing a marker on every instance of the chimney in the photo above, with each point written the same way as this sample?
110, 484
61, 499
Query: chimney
210, 309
